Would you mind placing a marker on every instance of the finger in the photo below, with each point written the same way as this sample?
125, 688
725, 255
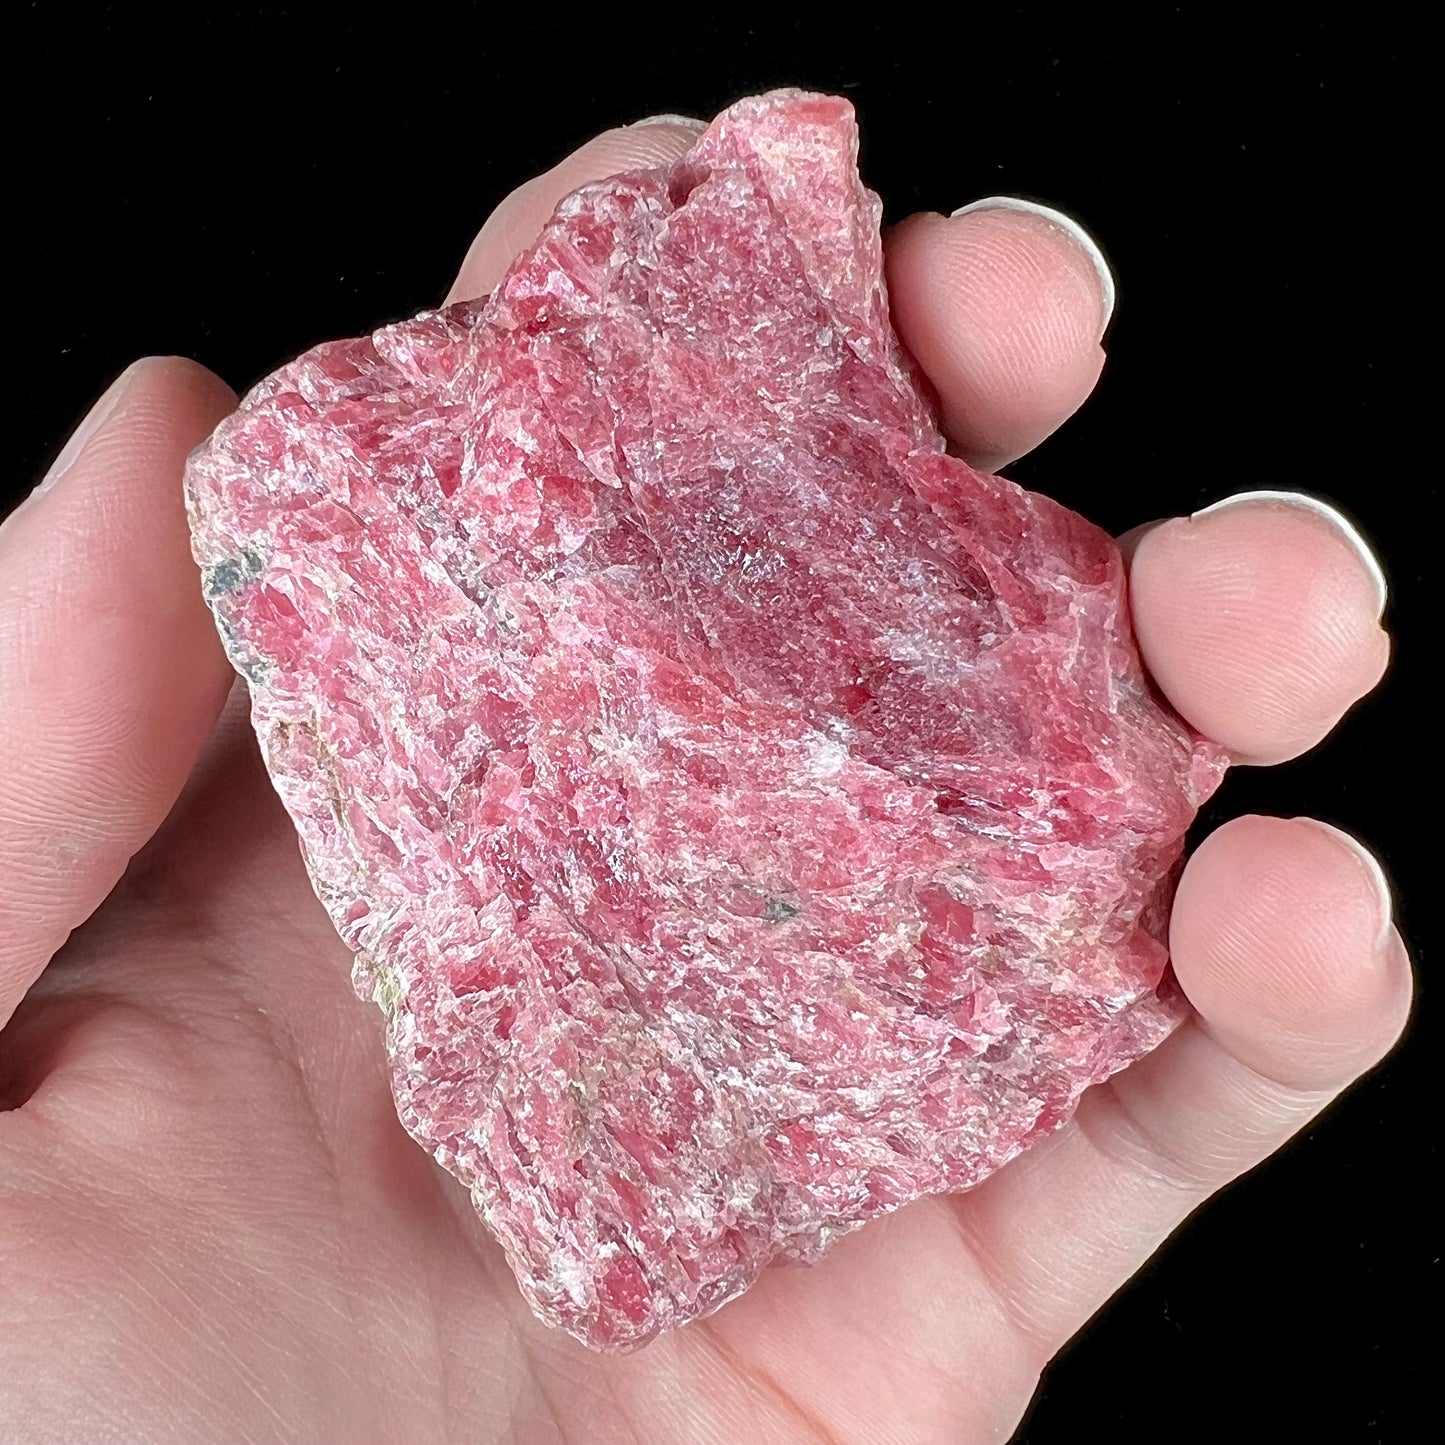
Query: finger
1260, 620
1282, 940
657, 141
111, 673
1004, 305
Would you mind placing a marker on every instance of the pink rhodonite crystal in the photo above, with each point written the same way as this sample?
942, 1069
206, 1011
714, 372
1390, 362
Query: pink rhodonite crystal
748, 817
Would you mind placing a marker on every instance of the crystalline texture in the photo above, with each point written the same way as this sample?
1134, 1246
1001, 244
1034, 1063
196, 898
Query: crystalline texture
748, 817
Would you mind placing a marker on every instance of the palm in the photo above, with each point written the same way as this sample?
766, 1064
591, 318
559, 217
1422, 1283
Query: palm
213, 1226
259, 1186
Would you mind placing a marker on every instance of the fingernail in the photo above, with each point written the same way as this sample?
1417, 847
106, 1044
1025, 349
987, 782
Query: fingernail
684, 122
80, 438
1336, 518
1373, 868
1070, 227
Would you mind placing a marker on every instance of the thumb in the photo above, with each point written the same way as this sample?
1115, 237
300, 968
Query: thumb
111, 673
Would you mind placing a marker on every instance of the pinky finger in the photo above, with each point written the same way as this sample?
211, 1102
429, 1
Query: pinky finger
1281, 938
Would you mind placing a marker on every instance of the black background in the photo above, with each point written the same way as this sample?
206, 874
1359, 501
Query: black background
240, 184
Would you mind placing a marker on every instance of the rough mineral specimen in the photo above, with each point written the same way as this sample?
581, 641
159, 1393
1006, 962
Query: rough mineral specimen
749, 817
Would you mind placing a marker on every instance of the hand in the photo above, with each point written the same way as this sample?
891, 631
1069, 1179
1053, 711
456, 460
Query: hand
212, 1226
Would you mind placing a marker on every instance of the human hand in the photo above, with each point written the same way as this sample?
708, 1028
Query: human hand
212, 1225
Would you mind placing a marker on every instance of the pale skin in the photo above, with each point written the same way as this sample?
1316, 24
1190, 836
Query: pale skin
212, 1227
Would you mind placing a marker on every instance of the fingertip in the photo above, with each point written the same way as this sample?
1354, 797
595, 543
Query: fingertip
1371, 870
1004, 310
671, 118
1400, 992
1259, 621
188, 385
1283, 941
514, 224
1059, 223
1339, 524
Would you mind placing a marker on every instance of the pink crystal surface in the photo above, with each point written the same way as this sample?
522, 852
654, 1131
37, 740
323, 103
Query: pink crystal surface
748, 817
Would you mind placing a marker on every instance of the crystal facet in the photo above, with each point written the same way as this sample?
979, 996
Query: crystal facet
748, 817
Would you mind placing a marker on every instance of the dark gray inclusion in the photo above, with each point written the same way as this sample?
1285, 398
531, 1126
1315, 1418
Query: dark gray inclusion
231, 574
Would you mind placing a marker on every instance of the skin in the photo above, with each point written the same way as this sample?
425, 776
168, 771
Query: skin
212, 1226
